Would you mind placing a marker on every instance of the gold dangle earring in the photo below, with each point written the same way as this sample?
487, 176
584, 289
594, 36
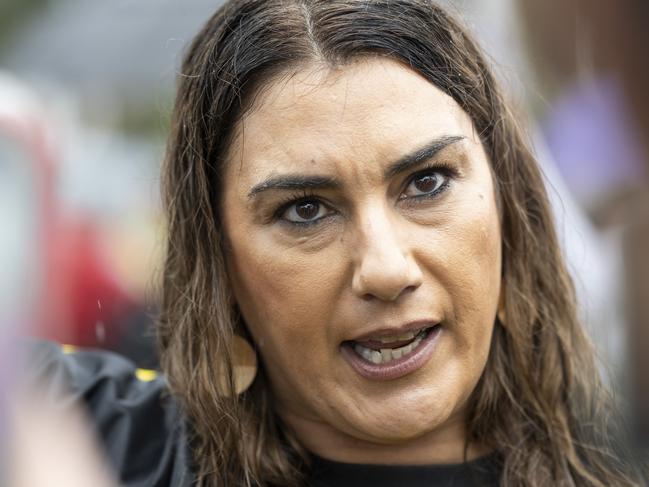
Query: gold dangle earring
244, 364
244, 359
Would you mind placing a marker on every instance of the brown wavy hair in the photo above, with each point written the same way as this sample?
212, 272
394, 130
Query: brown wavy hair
540, 403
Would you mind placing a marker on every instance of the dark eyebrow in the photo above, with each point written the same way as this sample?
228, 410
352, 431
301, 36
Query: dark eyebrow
426, 152
297, 181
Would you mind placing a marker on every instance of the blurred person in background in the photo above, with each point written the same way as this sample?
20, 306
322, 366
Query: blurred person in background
590, 56
593, 259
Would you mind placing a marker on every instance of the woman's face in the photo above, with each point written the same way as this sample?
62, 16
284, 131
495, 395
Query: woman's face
364, 252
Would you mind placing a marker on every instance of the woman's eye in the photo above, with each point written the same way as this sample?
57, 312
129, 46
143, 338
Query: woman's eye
426, 184
305, 211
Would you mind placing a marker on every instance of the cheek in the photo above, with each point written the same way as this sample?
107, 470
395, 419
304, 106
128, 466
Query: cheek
478, 291
285, 297
478, 257
467, 263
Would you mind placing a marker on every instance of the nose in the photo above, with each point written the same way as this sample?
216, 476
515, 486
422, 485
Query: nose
384, 266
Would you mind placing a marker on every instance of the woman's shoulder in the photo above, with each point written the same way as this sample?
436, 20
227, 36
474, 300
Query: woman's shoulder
136, 419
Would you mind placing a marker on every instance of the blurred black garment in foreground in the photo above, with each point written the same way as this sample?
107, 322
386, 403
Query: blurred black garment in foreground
137, 422
145, 436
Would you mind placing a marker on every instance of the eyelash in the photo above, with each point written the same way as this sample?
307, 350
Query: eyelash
304, 195
445, 169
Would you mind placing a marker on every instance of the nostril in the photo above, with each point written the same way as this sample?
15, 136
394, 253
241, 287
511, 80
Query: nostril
371, 296
385, 274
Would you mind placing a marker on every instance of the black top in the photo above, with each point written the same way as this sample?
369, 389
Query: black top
483, 472
145, 436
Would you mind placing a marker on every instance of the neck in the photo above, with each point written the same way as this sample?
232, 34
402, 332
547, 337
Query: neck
444, 445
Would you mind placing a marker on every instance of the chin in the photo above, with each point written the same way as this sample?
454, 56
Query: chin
402, 423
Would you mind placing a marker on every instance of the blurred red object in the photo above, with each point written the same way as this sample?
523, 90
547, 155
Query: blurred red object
93, 296
73, 296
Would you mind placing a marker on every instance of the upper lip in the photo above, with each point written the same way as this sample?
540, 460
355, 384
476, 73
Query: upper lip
394, 330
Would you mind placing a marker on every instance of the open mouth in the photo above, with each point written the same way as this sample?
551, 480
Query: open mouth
386, 350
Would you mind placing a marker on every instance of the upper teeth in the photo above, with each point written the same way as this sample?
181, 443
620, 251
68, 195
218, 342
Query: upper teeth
398, 338
387, 355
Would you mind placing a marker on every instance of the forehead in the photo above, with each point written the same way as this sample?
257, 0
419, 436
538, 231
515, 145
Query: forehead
373, 109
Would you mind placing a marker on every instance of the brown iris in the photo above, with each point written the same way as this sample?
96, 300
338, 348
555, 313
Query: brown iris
307, 209
426, 183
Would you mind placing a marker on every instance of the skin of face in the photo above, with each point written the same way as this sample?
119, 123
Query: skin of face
370, 247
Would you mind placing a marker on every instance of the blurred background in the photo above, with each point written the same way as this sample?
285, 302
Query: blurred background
86, 92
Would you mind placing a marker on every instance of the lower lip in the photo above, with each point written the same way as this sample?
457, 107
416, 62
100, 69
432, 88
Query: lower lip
397, 368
